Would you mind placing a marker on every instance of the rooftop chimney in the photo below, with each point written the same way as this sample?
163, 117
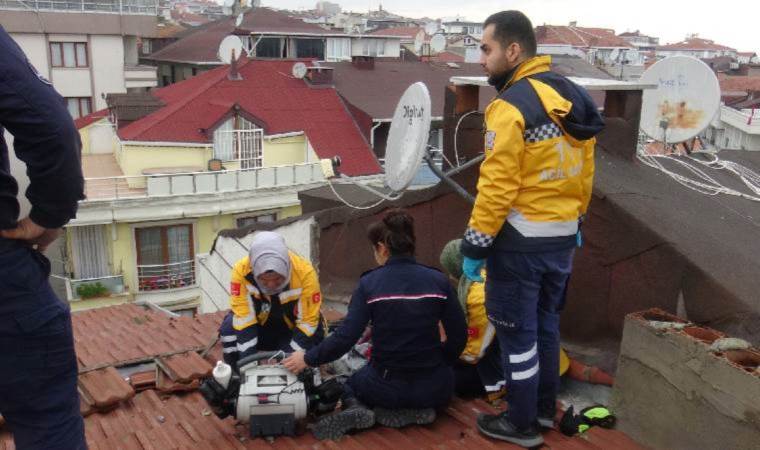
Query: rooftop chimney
319, 76
234, 74
574, 23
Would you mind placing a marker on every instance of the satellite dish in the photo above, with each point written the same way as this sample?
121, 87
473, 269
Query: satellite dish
408, 137
230, 44
614, 54
431, 28
418, 44
239, 20
685, 101
299, 70
438, 43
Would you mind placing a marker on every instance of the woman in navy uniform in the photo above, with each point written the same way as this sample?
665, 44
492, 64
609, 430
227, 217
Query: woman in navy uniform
409, 373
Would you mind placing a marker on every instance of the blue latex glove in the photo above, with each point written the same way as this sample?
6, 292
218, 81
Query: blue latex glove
472, 267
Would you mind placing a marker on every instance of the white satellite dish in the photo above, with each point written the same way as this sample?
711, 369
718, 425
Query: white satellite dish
438, 43
685, 101
229, 45
418, 44
408, 137
239, 20
299, 70
431, 28
614, 54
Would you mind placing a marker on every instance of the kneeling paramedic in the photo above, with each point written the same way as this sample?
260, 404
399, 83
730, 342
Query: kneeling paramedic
409, 373
275, 301
533, 189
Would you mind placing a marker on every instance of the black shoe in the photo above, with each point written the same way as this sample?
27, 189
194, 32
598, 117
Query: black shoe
397, 418
498, 427
353, 416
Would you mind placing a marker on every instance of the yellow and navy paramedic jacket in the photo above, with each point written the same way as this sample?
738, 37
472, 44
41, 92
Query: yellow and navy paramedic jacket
480, 332
535, 182
301, 300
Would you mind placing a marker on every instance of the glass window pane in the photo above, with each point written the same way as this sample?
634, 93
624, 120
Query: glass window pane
150, 250
73, 105
69, 59
84, 106
81, 55
55, 53
179, 243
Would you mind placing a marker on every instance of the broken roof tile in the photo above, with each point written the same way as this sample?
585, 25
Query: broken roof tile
104, 388
185, 367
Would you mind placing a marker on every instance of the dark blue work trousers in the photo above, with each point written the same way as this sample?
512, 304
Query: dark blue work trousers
426, 388
38, 368
525, 293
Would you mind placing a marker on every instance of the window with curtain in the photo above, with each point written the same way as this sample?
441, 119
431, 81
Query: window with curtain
89, 251
165, 257
238, 139
68, 54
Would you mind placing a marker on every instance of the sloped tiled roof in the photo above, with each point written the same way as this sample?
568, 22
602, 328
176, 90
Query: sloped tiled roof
695, 44
403, 32
578, 36
269, 94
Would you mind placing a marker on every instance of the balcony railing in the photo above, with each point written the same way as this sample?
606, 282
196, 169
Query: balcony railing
157, 277
147, 7
81, 289
193, 183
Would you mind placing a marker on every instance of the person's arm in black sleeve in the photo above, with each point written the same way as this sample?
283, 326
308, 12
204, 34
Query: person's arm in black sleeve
454, 325
347, 334
44, 137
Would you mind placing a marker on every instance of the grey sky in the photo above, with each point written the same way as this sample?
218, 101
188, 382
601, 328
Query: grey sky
728, 22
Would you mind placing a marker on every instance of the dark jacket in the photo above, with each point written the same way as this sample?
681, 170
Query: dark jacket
44, 137
404, 301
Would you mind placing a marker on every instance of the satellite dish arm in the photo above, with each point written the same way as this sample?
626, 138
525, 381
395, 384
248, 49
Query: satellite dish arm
446, 179
372, 190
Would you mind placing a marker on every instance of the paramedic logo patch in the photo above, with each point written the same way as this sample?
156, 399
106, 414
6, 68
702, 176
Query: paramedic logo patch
472, 332
235, 288
490, 140
316, 298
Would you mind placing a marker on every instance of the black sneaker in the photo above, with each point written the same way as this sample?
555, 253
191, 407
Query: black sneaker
354, 416
498, 427
397, 418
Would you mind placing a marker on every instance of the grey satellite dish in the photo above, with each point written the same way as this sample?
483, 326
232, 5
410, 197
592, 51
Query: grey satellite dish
438, 43
239, 20
299, 70
408, 137
686, 99
229, 46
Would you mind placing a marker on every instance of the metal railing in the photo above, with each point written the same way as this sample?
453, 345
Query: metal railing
157, 277
194, 183
76, 288
148, 7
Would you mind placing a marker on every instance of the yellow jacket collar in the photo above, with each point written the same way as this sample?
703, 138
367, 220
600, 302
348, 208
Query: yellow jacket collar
532, 66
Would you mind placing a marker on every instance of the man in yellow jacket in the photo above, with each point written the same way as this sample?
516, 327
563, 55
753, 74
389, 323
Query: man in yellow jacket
275, 301
534, 188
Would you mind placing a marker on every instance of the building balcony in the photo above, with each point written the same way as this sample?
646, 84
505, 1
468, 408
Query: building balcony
142, 7
161, 277
166, 184
89, 288
139, 76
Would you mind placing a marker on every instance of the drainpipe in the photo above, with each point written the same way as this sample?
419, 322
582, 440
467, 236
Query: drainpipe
372, 135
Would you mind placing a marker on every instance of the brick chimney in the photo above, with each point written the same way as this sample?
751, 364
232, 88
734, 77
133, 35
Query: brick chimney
363, 62
319, 76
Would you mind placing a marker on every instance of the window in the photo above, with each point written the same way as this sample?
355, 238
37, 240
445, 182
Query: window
374, 47
243, 222
238, 139
68, 54
79, 106
310, 48
165, 257
338, 49
269, 48
146, 47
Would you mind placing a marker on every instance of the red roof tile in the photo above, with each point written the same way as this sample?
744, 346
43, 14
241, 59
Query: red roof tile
104, 388
403, 32
268, 93
579, 36
129, 333
185, 367
739, 83
90, 118
695, 44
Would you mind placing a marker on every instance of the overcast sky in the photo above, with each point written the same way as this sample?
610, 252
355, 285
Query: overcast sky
729, 22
